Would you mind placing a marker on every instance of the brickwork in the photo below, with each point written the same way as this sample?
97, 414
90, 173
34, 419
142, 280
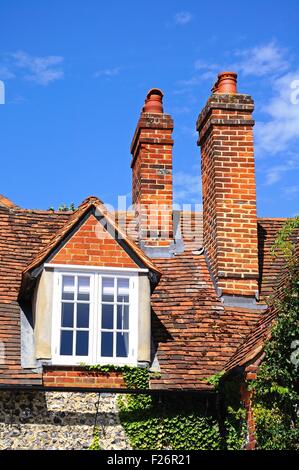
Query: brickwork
246, 397
74, 377
92, 245
225, 129
152, 178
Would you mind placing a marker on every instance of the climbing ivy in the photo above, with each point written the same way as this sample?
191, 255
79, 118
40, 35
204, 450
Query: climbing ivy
154, 422
168, 422
276, 389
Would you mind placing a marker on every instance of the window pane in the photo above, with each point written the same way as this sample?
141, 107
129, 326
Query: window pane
68, 287
107, 345
83, 288
82, 343
67, 315
123, 317
107, 316
82, 315
122, 345
108, 289
122, 290
66, 343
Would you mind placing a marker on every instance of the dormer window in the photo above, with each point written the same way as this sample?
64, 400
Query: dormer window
95, 317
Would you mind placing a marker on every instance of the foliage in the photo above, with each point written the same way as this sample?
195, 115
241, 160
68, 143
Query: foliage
235, 413
215, 379
64, 208
283, 244
174, 423
95, 444
276, 389
236, 428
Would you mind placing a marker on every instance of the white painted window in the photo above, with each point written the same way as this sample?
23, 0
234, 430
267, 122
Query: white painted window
95, 317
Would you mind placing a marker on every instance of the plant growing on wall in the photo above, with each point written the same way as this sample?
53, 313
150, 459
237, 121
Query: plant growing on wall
276, 390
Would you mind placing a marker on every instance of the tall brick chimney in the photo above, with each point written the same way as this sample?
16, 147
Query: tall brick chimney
225, 128
151, 165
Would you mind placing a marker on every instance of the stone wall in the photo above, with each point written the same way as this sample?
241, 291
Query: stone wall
54, 420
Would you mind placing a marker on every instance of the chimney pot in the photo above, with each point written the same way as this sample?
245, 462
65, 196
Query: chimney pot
226, 83
153, 102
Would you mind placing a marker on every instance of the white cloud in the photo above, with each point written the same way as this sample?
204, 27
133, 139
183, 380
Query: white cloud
41, 70
281, 129
107, 72
275, 173
262, 60
183, 17
265, 59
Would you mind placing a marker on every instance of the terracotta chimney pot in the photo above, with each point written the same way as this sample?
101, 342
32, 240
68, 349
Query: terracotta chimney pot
153, 102
226, 83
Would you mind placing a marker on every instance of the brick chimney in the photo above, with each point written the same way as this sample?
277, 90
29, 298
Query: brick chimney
151, 165
225, 128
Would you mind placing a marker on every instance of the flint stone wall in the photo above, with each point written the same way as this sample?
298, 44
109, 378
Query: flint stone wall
53, 420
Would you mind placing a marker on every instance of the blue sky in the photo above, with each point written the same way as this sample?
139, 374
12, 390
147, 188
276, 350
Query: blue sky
76, 74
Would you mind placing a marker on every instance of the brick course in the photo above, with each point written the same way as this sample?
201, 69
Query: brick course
74, 377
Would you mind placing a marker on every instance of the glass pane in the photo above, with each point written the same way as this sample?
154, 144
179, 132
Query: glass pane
68, 287
67, 315
107, 316
122, 290
82, 343
83, 288
66, 343
108, 289
107, 345
123, 317
122, 345
82, 315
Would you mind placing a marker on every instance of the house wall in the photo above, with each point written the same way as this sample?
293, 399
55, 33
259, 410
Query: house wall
53, 420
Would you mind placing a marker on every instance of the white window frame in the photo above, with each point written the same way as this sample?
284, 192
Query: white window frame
95, 303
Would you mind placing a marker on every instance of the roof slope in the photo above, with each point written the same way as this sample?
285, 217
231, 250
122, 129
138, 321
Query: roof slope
194, 334
269, 266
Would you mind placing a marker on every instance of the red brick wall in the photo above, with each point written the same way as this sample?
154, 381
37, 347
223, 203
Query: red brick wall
246, 397
92, 245
152, 178
229, 192
74, 377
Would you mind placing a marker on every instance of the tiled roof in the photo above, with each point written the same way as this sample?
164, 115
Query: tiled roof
195, 335
5, 202
22, 233
269, 266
